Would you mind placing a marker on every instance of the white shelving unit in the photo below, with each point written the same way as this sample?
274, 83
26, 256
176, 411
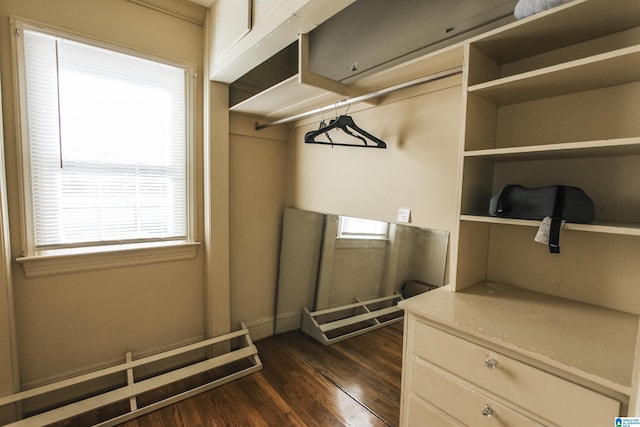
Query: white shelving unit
566, 116
305, 90
552, 99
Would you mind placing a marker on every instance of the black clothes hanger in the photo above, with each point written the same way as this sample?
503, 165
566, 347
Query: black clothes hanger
345, 123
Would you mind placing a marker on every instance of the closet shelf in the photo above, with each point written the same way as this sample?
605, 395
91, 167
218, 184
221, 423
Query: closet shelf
295, 94
607, 69
625, 229
596, 148
432, 63
574, 22
289, 97
306, 91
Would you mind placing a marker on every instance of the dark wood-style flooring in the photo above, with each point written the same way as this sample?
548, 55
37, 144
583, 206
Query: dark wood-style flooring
355, 382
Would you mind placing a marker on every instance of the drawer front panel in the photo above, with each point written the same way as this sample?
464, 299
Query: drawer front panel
461, 402
421, 415
551, 397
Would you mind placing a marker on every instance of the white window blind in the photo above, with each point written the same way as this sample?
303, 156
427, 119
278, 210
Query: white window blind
106, 145
359, 228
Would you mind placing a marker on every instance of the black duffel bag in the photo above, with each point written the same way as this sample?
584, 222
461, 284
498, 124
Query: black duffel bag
559, 202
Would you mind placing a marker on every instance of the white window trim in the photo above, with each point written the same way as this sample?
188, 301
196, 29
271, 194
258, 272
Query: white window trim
93, 258
109, 257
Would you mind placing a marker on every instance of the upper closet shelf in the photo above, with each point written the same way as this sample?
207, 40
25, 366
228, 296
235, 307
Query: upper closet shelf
431, 63
305, 90
291, 96
607, 69
574, 22
296, 93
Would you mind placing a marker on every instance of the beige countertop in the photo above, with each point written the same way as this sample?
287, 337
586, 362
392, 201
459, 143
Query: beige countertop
583, 341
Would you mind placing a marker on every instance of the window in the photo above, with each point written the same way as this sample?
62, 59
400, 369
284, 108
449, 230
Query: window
105, 144
359, 228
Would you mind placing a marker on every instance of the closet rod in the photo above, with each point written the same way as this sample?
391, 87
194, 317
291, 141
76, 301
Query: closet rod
361, 98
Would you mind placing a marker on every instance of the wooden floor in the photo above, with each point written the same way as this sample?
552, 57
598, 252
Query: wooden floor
355, 382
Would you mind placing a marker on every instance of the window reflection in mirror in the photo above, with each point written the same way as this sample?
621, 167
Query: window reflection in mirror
327, 261
361, 228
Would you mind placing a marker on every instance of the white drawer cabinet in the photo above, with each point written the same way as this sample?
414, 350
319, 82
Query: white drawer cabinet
422, 414
468, 384
553, 398
466, 404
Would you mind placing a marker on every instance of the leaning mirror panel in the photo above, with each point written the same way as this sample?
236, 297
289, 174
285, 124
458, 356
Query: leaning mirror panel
341, 276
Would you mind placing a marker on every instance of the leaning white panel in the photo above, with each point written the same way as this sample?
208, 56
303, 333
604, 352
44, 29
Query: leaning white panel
134, 388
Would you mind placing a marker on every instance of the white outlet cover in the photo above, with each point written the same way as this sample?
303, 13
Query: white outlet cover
404, 215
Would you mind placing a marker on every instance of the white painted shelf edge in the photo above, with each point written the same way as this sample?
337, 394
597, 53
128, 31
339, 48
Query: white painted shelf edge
288, 97
608, 228
601, 148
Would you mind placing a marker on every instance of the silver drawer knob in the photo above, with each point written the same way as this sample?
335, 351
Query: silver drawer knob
486, 411
491, 363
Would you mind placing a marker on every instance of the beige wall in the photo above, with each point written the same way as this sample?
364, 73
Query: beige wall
74, 322
418, 170
69, 323
273, 168
256, 187
8, 356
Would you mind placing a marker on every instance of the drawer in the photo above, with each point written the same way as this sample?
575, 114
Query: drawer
559, 401
465, 404
420, 414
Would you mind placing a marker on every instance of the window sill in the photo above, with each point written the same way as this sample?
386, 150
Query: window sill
350, 243
70, 261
